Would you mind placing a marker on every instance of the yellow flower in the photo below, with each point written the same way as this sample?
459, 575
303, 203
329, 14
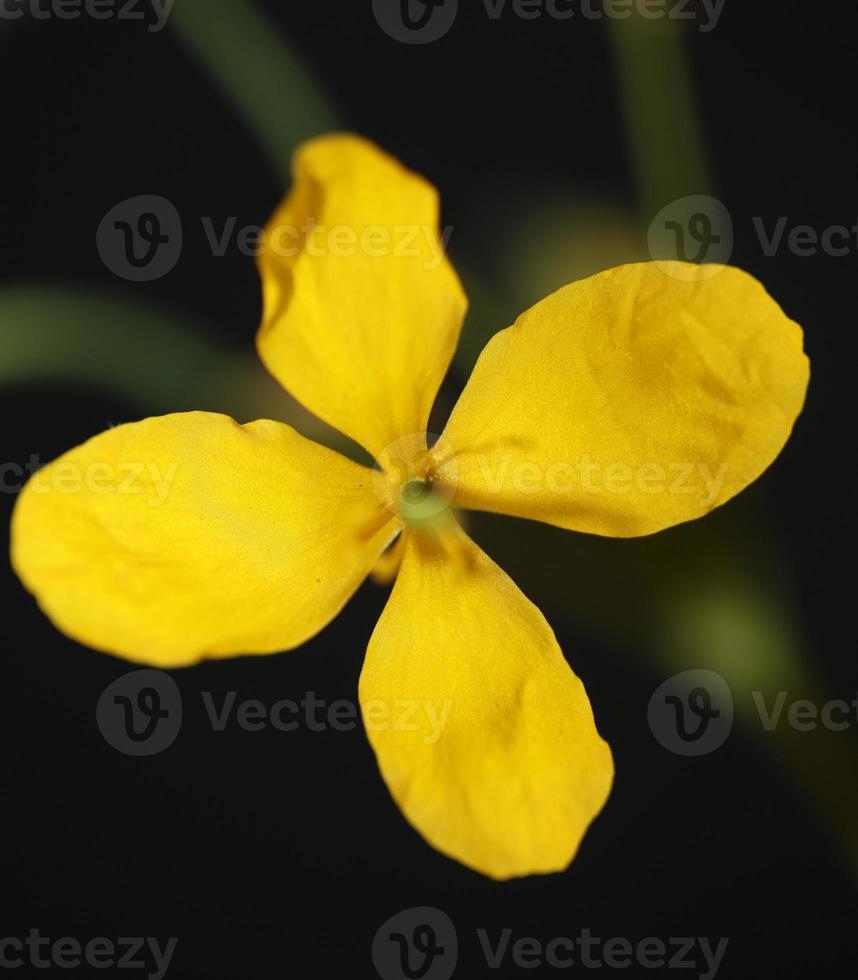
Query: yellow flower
626, 403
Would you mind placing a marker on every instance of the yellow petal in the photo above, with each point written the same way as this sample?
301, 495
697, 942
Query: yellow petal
629, 401
387, 566
483, 734
176, 538
362, 310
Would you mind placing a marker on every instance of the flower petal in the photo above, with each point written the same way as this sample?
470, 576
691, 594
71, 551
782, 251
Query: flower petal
176, 538
628, 402
483, 734
362, 310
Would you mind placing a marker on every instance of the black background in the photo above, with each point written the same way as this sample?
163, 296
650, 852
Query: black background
280, 854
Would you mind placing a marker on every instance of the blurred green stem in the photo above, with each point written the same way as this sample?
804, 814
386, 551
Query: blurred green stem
260, 74
151, 357
258, 71
664, 134
708, 594
120, 345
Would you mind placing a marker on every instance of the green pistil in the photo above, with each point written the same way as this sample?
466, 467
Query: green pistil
419, 504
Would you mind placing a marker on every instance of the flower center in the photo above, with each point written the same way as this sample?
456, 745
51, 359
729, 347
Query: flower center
420, 504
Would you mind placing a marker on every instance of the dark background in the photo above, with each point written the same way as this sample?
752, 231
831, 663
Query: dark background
280, 854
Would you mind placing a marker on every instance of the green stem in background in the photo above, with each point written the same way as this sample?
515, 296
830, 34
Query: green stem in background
731, 622
259, 72
708, 594
663, 127
262, 77
122, 346
722, 616
146, 355
50, 333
